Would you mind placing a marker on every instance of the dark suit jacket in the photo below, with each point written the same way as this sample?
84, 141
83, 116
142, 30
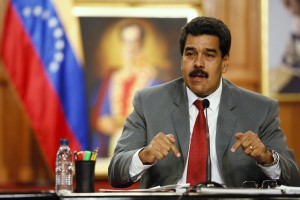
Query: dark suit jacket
164, 108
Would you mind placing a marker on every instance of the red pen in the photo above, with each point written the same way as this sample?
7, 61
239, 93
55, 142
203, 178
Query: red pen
80, 155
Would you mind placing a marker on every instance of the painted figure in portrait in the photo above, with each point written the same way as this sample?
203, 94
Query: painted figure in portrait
131, 56
285, 78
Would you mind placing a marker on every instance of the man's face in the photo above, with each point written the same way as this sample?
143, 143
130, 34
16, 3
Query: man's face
202, 64
132, 42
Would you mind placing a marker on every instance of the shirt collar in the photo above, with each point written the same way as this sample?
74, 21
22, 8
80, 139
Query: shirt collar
214, 98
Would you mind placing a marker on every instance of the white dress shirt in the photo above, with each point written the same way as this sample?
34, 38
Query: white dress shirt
212, 112
137, 168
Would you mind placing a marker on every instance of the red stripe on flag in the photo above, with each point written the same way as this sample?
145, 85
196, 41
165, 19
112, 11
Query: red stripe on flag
39, 98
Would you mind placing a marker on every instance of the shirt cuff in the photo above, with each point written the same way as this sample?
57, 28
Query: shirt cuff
274, 170
136, 167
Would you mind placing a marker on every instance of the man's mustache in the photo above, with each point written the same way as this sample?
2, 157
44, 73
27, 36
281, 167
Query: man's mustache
198, 72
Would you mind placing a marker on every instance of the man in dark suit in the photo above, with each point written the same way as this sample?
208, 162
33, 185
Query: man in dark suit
246, 142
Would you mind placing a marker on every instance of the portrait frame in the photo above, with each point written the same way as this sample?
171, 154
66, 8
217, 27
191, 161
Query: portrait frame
101, 10
276, 35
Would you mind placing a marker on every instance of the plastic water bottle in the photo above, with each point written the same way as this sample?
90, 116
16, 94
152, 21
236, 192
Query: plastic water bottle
64, 168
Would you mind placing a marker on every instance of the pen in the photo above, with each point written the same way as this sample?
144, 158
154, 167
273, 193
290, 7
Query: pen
79, 155
94, 154
87, 155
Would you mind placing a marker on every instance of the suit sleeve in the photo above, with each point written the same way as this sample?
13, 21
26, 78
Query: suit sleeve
132, 139
274, 139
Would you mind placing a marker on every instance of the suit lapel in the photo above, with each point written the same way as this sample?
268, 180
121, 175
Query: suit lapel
226, 122
180, 118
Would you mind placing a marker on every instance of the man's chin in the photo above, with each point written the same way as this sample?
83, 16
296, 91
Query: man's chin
200, 91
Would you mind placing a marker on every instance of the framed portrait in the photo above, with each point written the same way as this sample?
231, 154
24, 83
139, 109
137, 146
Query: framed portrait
283, 49
125, 49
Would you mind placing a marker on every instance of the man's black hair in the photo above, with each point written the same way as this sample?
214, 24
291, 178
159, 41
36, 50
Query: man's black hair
207, 26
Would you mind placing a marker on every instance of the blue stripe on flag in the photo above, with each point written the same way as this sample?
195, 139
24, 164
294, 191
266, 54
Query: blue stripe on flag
63, 69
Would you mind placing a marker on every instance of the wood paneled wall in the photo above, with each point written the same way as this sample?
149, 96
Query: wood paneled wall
244, 21
289, 115
20, 160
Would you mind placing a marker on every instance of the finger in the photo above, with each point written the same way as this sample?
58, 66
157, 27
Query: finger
161, 141
175, 150
244, 141
256, 145
158, 148
238, 143
259, 149
173, 146
238, 135
253, 146
256, 153
166, 139
161, 152
249, 150
155, 152
159, 155
250, 143
171, 138
163, 144
164, 150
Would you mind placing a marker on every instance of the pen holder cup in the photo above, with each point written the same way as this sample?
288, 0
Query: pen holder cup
85, 176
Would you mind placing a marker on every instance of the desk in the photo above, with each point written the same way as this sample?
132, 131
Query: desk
169, 196
51, 195
206, 193
42, 195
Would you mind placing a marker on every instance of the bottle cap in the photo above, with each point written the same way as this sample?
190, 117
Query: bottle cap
64, 141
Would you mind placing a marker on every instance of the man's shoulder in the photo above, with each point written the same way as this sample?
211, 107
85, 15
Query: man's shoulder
170, 85
246, 94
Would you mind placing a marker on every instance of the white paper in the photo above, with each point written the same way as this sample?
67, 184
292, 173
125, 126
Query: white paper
288, 189
166, 188
247, 191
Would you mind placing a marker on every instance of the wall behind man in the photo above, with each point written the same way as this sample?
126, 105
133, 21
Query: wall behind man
20, 160
244, 19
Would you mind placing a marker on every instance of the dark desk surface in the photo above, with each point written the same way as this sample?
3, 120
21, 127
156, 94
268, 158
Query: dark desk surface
170, 196
125, 195
35, 195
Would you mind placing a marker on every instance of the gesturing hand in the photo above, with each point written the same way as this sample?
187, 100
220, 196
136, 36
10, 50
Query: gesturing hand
252, 146
159, 148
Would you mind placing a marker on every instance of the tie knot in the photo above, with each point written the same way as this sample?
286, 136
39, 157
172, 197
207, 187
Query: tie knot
198, 104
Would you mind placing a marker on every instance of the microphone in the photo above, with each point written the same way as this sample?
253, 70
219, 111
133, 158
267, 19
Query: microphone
205, 104
208, 182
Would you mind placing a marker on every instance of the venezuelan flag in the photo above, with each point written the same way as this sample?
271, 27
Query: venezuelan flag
46, 73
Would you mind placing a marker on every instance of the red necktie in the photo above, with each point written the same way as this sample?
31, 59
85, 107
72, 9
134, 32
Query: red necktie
196, 172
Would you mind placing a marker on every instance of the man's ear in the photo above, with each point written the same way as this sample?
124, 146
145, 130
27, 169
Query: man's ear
225, 63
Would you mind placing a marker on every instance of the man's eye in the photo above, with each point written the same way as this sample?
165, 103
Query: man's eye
209, 55
190, 53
